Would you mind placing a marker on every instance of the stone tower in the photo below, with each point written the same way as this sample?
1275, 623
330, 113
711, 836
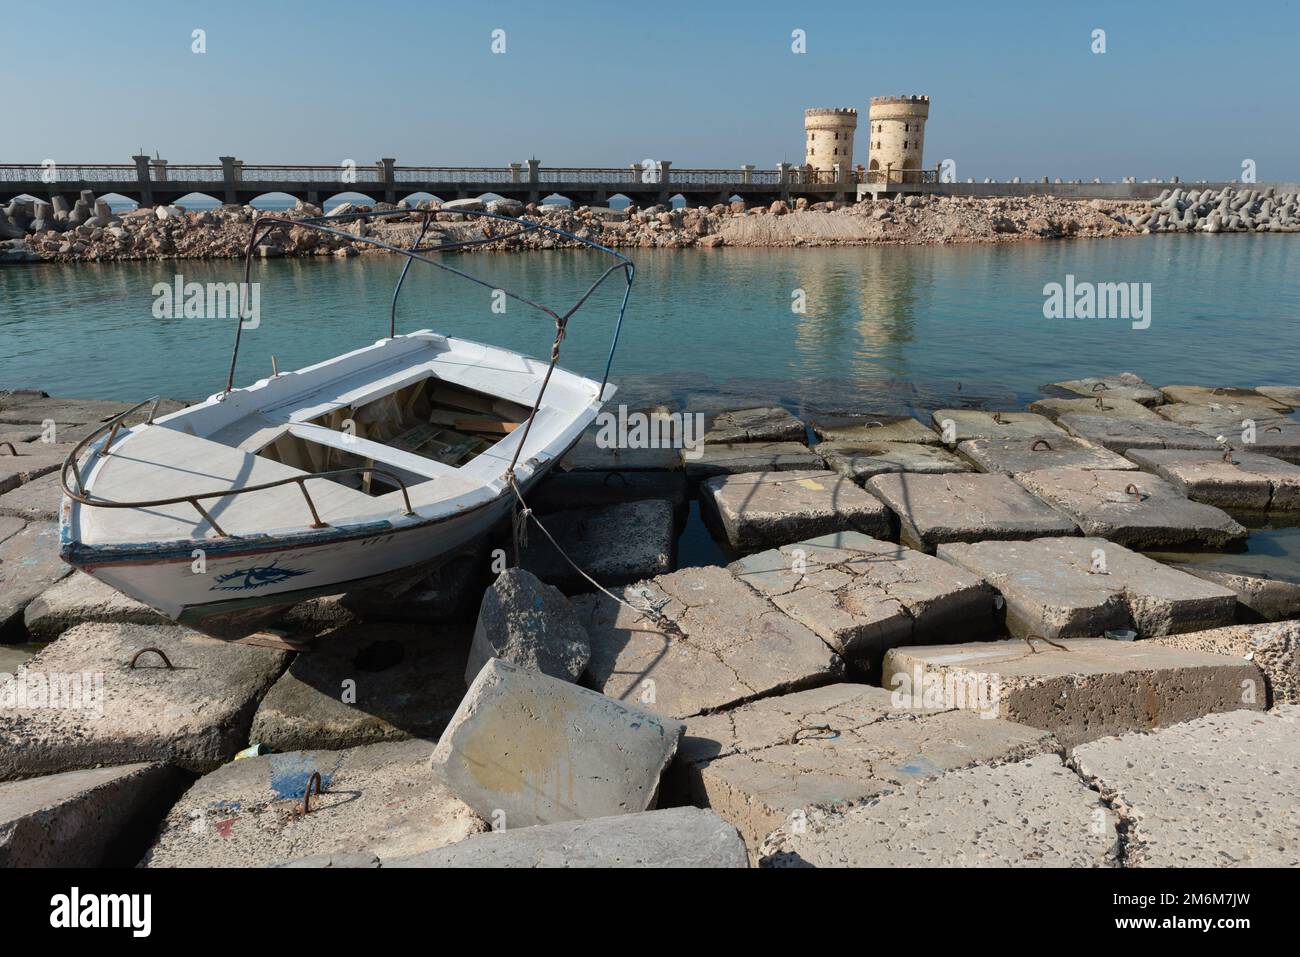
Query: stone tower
830, 138
897, 131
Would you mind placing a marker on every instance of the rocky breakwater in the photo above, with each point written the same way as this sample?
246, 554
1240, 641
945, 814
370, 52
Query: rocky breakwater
34, 230
1226, 210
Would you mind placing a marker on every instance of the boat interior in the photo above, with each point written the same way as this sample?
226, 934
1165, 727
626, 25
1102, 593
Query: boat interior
445, 416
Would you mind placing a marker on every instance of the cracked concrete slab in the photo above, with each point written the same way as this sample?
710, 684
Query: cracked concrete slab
766, 424
863, 596
525, 749
36, 501
676, 837
726, 458
82, 598
195, 714
1073, 587
381, 799
1107, 406
1089, 687
965, 507
1025, 455
1218, 395
770, 762
715, 643
872, 427
1124, 385
1138, 511
29, 564
1273, 647
762, 509
861, 460
1031, 813
1218, 791
974, 424
1244, 480
30, 461
1120, 435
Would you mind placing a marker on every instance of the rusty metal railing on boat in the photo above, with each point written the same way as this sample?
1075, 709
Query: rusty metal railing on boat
82, 493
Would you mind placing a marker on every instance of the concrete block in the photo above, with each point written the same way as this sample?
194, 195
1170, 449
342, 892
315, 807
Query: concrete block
864, 596
1089, 687
363, 684
761, 509
714, 644
768, 424
773, 761
862, 460
527, 749
1229, 419
29, 564
726, 458
1072, 587
1111, 407
568, 490
1274, 648
82, 598
1219, 791
97, 818
1140, 511
1220, 395
34, 501
529, 624
1244, 480
596, 453
1120, 435
1285, 394
1125, 385
965, 507
31, 461
195, 715
974, 424
10, 526
1024, 455
1032, 813
614, 544
872, 428
677, 837
37, 408
380, 799
1262, 594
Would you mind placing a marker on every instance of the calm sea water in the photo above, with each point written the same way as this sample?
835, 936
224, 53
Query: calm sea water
884, 327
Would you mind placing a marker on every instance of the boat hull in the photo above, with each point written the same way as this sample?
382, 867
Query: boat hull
229, 589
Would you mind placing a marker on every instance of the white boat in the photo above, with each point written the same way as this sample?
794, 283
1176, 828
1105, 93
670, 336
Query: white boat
337, 476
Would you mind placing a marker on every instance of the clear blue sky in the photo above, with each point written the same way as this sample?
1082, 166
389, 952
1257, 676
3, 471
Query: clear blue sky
1186, 89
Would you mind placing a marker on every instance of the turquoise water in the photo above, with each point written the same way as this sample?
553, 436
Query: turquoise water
884, 327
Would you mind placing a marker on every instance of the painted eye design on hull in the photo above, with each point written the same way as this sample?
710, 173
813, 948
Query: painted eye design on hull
245, 579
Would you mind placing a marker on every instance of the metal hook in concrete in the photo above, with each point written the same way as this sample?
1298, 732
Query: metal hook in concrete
306, 795
156, 651
1044, 443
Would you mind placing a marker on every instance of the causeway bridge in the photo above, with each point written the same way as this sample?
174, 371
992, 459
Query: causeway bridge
152, 181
